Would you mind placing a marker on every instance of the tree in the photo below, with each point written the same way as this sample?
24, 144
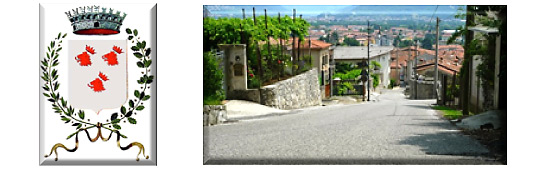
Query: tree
428, 41
212, 79
406, 43
334, 38
396, 41
351, 42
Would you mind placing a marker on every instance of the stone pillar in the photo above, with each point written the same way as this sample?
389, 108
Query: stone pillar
235, 69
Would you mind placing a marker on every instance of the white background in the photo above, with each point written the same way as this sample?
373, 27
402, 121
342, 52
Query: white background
180, 91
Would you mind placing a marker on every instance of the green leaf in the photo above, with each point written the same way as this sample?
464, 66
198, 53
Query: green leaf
146, 98
148, 51
56, 86
147, 63
135, 32
70, 110
131, 103
140, 64
130, 37
123, 110
43, 68
138, 55
137, 94
75, 124
52, 44
64, 118
143, 44
44, 63
123, 136
46, 88
81, 114
132, 120
117, 126
116, 121
141, 95
47, 95
51, 100
55, 63
79, 126
129, 114
64, 35
139, 108
59, 49
70, 136
113, 116
63, 102
128, 31
59, 36
134, 48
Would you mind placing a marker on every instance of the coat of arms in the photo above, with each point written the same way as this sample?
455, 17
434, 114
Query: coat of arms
107, 72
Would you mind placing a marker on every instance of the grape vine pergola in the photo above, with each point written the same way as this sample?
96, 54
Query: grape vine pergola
256, 31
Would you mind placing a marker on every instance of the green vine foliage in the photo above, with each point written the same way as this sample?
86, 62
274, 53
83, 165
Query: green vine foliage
245, 31
230, 30
76, 118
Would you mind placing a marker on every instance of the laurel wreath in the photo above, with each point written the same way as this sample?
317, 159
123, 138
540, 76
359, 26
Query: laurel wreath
68, 114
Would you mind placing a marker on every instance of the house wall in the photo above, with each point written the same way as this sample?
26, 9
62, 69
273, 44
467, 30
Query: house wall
476, 91
425, 90
319, 58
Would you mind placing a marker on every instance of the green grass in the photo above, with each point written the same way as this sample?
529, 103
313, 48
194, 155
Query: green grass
211, 101
450, 113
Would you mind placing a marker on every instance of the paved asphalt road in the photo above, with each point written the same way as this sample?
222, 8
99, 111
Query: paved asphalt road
393, 130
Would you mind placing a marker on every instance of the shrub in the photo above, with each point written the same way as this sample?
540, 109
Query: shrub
212, 79
375, 80
391, 83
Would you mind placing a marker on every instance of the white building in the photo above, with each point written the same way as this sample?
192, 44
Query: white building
356, 55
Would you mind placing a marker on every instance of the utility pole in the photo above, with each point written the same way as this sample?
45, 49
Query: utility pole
416, 72
467, 64
368, 61
294, 62
398, 73
436, 62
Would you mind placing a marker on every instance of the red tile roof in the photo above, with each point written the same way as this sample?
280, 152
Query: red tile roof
315, 44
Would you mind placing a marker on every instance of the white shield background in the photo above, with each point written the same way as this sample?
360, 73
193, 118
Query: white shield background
80, 95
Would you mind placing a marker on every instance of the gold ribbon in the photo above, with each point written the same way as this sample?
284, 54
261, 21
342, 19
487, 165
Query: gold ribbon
99, 135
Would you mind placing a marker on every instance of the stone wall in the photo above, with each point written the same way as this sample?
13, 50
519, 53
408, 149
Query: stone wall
425, 90
214, 114
249, 95
297, 92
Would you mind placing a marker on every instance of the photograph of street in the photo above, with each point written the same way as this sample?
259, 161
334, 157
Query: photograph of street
355, 84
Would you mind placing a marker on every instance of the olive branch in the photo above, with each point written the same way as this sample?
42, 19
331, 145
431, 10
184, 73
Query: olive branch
143, 54
68, 114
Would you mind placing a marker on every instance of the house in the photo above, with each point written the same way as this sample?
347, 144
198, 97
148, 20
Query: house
450, 59
357, 54
321, 57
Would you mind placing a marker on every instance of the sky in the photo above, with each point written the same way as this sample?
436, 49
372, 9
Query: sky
314, 10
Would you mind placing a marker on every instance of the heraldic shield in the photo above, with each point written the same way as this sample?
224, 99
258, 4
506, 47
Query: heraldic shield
97, 73
97, 84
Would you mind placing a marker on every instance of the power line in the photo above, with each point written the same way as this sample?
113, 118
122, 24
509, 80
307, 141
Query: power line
431, 19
